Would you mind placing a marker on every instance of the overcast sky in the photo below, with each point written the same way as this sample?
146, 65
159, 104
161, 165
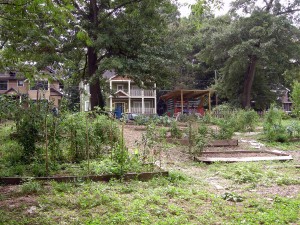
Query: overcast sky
185, 10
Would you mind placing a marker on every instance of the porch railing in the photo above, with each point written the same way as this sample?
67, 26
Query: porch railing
138, 92
146, 111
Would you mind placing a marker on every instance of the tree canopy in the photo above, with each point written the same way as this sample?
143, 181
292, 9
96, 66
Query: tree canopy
252, 48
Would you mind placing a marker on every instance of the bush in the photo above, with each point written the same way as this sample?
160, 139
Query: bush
175, 131
31, 187
225, 131
246, 120
273, 129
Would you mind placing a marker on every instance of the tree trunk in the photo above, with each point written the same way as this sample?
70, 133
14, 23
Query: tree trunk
249, 77
95, 89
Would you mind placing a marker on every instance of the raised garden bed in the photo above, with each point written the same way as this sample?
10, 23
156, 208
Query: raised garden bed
242, 156
128, 176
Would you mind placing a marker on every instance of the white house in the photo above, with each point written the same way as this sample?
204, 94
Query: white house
124, 94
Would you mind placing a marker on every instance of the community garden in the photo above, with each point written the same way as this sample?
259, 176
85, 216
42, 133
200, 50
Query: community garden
150, 166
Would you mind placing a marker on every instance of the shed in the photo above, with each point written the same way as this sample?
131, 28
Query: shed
187, 101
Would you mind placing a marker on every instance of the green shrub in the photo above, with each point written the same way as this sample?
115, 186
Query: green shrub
225, 131
295, 96
175, 131
74, 126
246, 120
273, 128
31, 187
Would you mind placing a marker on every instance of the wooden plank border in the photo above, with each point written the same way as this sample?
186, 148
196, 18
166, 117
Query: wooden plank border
278, 155
96, 178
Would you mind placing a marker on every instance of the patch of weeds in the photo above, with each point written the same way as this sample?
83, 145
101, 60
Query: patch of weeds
232, 197
31, 187
175, 177
247, 173
285, 146
62, 187
280, 211
175, 210
285, 180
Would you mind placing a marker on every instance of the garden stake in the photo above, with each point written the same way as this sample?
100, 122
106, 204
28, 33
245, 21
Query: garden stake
87, 142
110, 136
46, 136
190, 137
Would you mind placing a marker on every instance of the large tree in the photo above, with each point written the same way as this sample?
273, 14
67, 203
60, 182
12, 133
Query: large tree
90, 36
264, 42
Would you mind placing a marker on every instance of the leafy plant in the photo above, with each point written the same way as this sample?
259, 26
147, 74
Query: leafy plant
175, 131
31, 187
295, 95
246, 120
232, 197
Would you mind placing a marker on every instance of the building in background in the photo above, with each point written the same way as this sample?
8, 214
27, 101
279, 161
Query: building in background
124, 96
17, 86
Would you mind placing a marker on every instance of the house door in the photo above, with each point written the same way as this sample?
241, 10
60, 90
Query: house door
120, 106
119, 109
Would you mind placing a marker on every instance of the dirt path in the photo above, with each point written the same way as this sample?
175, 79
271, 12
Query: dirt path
176, 158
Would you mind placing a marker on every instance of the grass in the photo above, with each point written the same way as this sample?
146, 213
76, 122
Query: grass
175, 200
258, 173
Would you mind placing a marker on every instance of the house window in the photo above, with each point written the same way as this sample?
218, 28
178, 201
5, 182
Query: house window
147, 105
3, 85
137, 105
40, 85
20, 83
120, 87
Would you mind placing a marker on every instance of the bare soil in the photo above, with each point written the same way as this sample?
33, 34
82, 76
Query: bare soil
177, 158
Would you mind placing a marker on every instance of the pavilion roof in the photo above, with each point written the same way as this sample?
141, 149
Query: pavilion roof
186, 94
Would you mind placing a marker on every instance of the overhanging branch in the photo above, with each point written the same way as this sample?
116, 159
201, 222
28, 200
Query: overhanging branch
120, 6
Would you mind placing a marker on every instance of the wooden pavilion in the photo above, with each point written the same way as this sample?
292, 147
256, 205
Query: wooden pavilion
187, 101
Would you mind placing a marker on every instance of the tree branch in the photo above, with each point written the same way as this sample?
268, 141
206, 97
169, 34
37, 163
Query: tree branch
2, 45
268, 5
287, 11
77, 7
120, 6
103, 56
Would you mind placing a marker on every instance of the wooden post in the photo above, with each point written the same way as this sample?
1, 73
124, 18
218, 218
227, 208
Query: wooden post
209, 104
181, 100
87, 142
47, 157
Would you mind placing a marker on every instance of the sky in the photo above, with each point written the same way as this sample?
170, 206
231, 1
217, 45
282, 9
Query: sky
185, 9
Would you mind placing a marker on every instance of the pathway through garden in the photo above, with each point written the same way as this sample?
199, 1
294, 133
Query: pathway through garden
175, 158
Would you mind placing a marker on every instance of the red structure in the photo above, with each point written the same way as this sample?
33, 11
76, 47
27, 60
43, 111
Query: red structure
187, 101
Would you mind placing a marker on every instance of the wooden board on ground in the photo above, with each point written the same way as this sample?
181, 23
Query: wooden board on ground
128, 176
242, 156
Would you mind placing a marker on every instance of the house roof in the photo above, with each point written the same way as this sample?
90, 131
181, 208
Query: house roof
54, 92
118, 77
185, 93
12, 91
109, 74
11, 76
121, 93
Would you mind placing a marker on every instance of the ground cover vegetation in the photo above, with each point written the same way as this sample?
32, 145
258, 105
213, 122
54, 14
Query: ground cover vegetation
181, 198
38, 142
